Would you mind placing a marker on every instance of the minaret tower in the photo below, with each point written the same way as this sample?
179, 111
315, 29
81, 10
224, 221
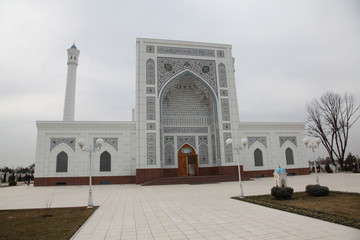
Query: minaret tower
69, 106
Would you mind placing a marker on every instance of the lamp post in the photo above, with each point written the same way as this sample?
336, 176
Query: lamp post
238, 148
313, 144
89, 149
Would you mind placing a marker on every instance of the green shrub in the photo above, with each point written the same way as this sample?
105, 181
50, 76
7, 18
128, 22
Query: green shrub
11, 178
12, 181
282, 193
317, 190
328, 169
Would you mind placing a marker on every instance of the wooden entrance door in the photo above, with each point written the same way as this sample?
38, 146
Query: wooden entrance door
187, 161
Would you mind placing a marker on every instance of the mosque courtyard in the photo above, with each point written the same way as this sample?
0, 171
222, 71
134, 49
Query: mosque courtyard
202, 211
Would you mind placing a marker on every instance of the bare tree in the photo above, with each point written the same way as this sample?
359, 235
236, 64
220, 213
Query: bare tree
330, 119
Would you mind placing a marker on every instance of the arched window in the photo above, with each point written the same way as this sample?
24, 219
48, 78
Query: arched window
289, 156
62, 162
258, 157
105, 162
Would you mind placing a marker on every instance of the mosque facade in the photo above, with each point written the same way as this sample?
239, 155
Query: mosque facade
186, 109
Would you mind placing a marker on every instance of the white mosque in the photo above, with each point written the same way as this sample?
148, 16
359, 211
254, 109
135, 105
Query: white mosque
186, 109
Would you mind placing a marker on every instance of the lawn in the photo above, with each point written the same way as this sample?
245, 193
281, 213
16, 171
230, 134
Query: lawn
45, 223
338, 207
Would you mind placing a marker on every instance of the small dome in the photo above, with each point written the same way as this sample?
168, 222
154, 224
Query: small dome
73, 46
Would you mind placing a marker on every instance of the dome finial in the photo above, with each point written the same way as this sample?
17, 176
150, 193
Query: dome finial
73, 46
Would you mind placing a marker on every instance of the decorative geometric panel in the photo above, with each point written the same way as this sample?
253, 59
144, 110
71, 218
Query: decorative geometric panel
225, 109
252, 140
150, 71
286, 138
111, 141
222, 75
212, 128
168, 67
186, 101
162, 145
151, 149
150, 49
150, 108
169, 154
185, 129
218, 152
228, 149
169, 139
150, 90
181, 140
56, 141
203, 153
186, 51
223, 93
226, 126
171, 118
213, 148
203, 139
150, 126
220, 53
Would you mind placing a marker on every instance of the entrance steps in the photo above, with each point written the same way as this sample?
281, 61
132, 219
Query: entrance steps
190, 180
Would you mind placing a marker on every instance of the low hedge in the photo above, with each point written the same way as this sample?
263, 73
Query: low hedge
282, 193
317, 190
12, 183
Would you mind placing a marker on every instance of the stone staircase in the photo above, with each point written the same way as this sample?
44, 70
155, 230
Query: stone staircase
190, 180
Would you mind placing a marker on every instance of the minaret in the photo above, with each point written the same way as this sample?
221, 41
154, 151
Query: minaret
69, 106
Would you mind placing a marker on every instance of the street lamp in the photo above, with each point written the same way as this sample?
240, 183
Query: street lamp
313, 145
89, 149
238, 148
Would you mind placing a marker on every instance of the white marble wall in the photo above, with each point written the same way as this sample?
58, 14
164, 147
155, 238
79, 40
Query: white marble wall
123, 160
273, 154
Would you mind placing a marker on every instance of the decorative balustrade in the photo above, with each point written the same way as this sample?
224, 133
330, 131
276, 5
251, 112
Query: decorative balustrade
186, 120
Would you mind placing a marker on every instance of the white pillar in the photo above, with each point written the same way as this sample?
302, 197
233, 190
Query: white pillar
69, 105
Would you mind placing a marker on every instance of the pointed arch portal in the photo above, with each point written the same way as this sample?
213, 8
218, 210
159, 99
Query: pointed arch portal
188, 164
187, 100
188, 105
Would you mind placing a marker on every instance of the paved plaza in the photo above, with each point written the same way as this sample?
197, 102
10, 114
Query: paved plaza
203, 211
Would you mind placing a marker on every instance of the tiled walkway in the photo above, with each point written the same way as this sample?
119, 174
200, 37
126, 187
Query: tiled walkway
188, 211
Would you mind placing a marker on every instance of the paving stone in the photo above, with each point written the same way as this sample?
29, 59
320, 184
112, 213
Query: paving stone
187, 211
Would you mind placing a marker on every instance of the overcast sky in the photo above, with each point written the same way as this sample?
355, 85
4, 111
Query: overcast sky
287, 53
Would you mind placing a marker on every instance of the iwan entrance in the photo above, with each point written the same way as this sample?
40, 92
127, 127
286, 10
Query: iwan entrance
188, 161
